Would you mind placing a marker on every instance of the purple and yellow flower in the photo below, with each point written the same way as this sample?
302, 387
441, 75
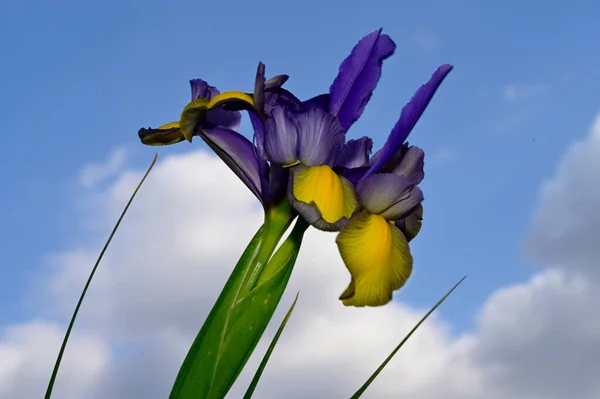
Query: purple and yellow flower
307, 138
214, 116
301, 157
374, 243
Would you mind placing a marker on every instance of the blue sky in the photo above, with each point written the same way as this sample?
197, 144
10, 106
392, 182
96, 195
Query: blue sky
80, 78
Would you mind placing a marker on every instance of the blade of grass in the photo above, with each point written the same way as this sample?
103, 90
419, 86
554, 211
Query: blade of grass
87, 284
376, 373
265, 359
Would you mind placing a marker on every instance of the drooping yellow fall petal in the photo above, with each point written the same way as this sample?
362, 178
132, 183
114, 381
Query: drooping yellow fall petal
163, 135
378, 258
194, 112
332, 194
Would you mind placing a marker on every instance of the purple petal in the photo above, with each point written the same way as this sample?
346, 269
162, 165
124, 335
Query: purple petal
278, 183
320, 101
353, 175
320, 137
281, 137
389, 195
238, 153
276, 82
358, 76
259, 88
409, 116
355, 153
411, 165
263, 168
221, 117
290, 101
201, 89
411, 225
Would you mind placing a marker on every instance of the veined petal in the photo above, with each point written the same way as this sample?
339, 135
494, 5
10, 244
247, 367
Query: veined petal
164, 135
194, 113
238, 153
201, 89
281, 137
389, 195
323, 198
378, 257
411, 165
409, 117
358, 76
355, 153
320, 137
411, 225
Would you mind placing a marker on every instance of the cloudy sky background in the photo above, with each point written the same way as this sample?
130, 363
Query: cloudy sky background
512, 145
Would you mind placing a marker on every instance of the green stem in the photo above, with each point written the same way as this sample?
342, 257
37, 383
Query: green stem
277, 220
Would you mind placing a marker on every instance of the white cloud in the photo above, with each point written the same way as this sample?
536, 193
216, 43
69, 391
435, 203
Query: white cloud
537, 339
514, 92
565, 228
27, 355
94, 173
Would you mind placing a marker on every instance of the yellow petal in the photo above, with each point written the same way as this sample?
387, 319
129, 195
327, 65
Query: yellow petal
378, 258
194, 112
333, 195
231, 97
172, 125
163, 135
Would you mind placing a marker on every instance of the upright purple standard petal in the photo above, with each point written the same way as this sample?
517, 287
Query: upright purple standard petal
281, 137
201, 89
238, 153
320, 137
409, 117
355, 153
358, 76
259, 88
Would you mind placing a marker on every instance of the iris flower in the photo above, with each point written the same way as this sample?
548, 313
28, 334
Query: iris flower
301, 157
214, 116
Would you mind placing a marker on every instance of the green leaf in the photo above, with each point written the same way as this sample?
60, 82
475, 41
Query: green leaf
386, 361
87, 284
239, 317
265, 359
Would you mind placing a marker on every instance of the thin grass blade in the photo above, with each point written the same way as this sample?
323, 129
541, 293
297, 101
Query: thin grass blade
380, 368
87, 284
265, 359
